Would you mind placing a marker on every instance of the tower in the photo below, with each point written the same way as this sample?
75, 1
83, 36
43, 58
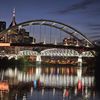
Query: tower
13, 23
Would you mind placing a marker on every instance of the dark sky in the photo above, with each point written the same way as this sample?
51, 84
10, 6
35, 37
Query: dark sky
83, 15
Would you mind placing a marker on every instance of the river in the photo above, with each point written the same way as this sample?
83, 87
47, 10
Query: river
48, 82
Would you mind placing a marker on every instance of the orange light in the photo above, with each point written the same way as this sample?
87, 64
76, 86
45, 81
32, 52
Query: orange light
4, 86
4, 44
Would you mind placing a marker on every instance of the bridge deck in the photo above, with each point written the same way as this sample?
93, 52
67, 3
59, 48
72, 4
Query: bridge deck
53, 46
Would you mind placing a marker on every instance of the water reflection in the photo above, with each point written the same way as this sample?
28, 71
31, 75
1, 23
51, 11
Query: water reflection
49, 82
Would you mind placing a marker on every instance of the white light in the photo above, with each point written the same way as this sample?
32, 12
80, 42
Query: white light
80, 59
30, 23
42, 22
20, 26
64, 27
54, 24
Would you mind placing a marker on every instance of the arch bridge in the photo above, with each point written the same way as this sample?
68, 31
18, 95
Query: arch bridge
67, 36
65, 30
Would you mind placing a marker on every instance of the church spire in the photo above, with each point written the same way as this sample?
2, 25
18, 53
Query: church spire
13, 23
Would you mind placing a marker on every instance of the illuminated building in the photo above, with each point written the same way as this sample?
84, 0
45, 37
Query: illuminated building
70, 41
18, 35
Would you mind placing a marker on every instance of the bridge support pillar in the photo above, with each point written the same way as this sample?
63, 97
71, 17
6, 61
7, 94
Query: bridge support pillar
80, 61
38, 59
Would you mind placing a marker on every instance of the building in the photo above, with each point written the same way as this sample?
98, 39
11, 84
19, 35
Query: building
18, 35
70, 41
2, 25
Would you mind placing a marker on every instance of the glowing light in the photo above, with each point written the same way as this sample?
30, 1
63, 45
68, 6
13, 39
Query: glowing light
79, 85
4, 44
4, 86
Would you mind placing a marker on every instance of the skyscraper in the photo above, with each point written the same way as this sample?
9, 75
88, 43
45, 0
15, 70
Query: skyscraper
2, 25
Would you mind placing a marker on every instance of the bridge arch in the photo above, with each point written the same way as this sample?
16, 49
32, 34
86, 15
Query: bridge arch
56, 52
61, 26
66, 53
59, 52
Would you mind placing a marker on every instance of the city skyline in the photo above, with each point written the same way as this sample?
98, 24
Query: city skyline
83, 15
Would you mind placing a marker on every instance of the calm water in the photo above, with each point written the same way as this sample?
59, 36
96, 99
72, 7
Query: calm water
48, 83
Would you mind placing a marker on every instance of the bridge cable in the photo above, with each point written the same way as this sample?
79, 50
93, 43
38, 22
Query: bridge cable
60, 36
50, 33
29, 29
33, 32
44, 38
40, 33
55, 37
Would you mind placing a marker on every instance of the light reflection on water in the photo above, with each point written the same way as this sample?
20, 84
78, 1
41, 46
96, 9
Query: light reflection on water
42, 83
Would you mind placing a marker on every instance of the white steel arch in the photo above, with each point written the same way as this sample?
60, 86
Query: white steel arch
61, 26
66, 53
60, 52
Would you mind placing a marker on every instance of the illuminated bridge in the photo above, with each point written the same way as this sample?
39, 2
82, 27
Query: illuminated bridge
56, 31
44, 38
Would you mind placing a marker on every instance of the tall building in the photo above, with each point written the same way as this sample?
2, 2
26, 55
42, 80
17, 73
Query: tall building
18, 35
2, 25
15, 35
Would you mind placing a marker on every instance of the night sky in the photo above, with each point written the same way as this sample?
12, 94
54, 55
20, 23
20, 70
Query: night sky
83, 15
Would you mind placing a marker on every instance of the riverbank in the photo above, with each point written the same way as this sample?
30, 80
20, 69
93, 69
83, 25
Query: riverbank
5, 62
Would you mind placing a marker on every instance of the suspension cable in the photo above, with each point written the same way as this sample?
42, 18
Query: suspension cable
33, 32
60, 36
50, 33
40, 33
44, 38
